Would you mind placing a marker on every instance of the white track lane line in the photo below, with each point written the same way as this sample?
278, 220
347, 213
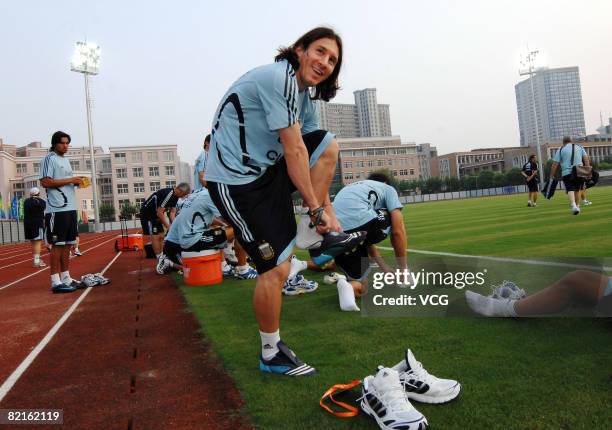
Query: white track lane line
506, 260
28, 259
14, 377
47, 268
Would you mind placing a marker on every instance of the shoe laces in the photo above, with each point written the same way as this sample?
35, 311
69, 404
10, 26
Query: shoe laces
393, 397
419, 373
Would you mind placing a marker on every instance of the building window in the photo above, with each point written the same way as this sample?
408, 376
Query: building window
412, 171
136, 157
124, 202
154, 171
170, 184
119, 157
139, 202
36, 167
139, 187
121, 173
152, 157
18, 186
122, 189
348, 164
88, 165
348, 175
85, 204
137, 172
106, 165
168, 156
154, 186
75, 165
22, 168
107, 189
169, 170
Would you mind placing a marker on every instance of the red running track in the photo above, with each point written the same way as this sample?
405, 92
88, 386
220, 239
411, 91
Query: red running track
128, 357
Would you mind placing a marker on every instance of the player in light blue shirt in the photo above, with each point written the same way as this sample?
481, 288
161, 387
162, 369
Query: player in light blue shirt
200, 165
60, 213
563, 158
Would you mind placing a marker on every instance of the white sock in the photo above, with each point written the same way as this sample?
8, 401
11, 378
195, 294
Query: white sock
65, 277
307, 237
55, 279
268, 344
77, 250
296, 267
346, 296
490, 307
36, 258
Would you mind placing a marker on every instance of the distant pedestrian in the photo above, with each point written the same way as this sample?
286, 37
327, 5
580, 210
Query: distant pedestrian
200, 166
34, 223
564, 156
60, 213
530, 173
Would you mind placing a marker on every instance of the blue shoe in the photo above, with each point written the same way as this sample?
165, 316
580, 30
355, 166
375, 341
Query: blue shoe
298, 285
290, 289
250, 273
62, 288
334, 244
285, 362
228, 271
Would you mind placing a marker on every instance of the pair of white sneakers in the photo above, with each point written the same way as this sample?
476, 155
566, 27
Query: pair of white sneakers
386, 395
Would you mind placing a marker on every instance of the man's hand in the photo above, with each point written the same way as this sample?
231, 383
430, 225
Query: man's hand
334, 224
77, 180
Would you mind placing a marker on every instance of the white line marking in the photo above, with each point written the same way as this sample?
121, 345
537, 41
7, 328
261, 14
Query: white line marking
506, 260
14, 377
28, 250
47, 268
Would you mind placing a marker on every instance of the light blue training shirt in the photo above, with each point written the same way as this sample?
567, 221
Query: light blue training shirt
357, 203
245, 138
564, 156
59, 199
192, 220
200, 166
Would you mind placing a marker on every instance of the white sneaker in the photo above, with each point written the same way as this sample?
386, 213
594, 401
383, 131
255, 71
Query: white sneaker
423, 387
385, 400
307, 237
40, 263
507, 290
163, 265
230, 255
333, 277
575, 210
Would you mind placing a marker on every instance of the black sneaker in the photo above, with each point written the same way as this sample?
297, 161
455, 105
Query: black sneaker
285, 362
77, 285
62, 288
335, 243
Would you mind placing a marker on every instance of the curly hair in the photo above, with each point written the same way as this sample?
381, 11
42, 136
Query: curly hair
327, 89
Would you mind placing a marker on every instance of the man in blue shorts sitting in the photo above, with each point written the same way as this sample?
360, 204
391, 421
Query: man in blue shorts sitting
266, 143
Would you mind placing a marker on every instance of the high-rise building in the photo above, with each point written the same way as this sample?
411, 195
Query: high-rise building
365, 118
558, 105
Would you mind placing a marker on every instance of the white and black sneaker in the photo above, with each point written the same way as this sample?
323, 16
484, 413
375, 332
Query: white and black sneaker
335, 243
385, 400
423, 387
163, 265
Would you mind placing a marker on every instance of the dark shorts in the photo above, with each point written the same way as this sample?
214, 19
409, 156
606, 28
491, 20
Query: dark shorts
261, 212
533, 186
173, 252
34, 230
213, 238
355, 264
151, 226
572, 184
61, 228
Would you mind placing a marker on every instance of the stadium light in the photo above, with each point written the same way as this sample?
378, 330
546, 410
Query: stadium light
529, 65
86, 60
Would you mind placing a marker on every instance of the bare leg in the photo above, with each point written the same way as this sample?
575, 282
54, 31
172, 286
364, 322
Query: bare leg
573, 196
580, 287
36, 246
322, 173
241, 254
65, 258
267, 298
56, 257
157, 241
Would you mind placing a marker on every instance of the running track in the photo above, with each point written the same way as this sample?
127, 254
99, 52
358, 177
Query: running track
127, 355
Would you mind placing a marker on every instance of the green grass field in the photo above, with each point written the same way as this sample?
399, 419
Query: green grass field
539, 373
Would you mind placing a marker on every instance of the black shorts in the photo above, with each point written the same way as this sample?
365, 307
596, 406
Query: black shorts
61, 228
35, 230
213, 238
151, 227
572, 184
261, 212
533, 185
355, 264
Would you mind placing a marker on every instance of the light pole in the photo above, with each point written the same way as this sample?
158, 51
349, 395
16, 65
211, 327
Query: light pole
86, 60
529, 61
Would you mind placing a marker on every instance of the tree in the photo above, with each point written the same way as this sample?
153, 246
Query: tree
107, 212
486, 179
514, 177
128, 210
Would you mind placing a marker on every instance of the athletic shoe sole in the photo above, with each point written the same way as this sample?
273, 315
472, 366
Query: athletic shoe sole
303, 370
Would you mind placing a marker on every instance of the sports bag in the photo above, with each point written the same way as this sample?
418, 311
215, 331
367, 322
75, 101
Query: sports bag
580, 172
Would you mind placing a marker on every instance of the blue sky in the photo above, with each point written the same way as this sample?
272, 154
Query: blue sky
447, 69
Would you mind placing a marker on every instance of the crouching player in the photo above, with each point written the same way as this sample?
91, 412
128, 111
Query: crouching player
372, 206
198, 227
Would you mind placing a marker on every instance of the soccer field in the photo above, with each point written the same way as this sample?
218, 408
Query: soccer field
537, 373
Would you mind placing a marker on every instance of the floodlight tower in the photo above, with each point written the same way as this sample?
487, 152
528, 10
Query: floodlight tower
86, 60
528, 62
